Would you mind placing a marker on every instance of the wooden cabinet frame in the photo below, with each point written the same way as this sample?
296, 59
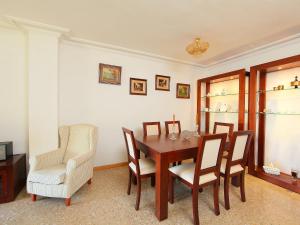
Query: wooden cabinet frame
237, 74
262, 71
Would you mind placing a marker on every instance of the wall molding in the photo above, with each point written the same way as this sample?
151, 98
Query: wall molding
25, 23
131, 51
248, 53
21, 23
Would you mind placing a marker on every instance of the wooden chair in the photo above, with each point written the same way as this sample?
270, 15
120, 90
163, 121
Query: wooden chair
140, 168
151, 128
205, 172
224, 128
168, 127
236, 161
169, 124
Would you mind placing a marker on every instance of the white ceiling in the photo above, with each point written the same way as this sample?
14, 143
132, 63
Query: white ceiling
165, 27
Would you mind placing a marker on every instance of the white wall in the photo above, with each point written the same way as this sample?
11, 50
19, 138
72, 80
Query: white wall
82, 99
13, 91
42, 90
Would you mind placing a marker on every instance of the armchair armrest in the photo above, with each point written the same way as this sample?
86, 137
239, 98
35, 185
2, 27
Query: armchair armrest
46, 159
78, 160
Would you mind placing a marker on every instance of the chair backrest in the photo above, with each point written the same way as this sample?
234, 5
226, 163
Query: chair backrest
209, 155
77, 139
132, 151
169, 127
224, 128
239, 148
151, 128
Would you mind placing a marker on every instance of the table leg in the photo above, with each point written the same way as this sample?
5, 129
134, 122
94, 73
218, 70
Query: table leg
161, 187
235, 181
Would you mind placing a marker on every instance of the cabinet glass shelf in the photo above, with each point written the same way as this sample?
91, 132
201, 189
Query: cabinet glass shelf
277, 113
229, 94
218, 112
286, 89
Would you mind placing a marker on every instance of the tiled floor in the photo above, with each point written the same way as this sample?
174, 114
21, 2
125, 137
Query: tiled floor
106, 202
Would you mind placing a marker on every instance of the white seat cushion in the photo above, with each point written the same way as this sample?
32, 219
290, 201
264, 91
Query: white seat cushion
146, 166
51, 175
186, 171
233, 169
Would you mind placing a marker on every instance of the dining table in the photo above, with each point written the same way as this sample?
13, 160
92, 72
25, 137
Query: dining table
165, 150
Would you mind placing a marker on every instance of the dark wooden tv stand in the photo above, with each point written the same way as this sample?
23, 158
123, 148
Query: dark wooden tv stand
12, 177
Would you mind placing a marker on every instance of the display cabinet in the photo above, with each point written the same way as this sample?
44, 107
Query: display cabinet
204, 110
259, 96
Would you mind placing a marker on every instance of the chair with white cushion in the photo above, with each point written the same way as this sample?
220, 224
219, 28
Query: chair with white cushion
151, 128
169, 127
234, 164
205, 172
220, 128
60, 173
140, 168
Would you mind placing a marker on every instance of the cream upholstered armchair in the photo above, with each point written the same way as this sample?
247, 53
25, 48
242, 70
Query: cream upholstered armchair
60, 173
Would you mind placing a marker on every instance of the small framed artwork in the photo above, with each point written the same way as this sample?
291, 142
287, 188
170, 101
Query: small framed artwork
162, 83
183, 90
138, 86
109, 74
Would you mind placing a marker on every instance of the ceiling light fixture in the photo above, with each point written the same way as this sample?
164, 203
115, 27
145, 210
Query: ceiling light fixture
197, 47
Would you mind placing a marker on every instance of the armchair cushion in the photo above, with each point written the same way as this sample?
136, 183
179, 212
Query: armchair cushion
79, 140
50, 175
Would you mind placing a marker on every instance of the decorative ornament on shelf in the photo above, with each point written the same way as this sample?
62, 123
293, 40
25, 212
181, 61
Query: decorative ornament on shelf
271, 169
295, 83
197, 47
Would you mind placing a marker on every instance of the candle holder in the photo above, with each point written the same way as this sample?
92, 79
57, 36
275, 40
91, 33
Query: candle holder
172, 135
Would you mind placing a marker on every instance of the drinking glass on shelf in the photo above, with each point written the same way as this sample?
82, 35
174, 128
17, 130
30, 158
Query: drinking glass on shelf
196, 133
294, 173
172, 136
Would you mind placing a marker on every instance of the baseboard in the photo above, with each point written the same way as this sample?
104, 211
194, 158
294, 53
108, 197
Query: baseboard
110, 166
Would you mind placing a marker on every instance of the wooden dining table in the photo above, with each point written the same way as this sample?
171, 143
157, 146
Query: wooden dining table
164, 151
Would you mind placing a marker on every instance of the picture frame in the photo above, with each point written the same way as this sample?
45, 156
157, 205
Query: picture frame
162, 83
138, 86
183, 90
110, 74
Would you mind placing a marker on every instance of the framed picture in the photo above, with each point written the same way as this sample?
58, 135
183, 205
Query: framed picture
162, 83
183, 90
138, 86
109, 74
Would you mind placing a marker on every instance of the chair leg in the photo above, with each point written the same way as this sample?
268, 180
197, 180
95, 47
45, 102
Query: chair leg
138, 196
200, 190
242, 186
195, 206
68, 201
179, 163
134, 181
171, 189
153, 180
216, 198
129, 182
33, 197
226, 192
174, 163
89, 181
